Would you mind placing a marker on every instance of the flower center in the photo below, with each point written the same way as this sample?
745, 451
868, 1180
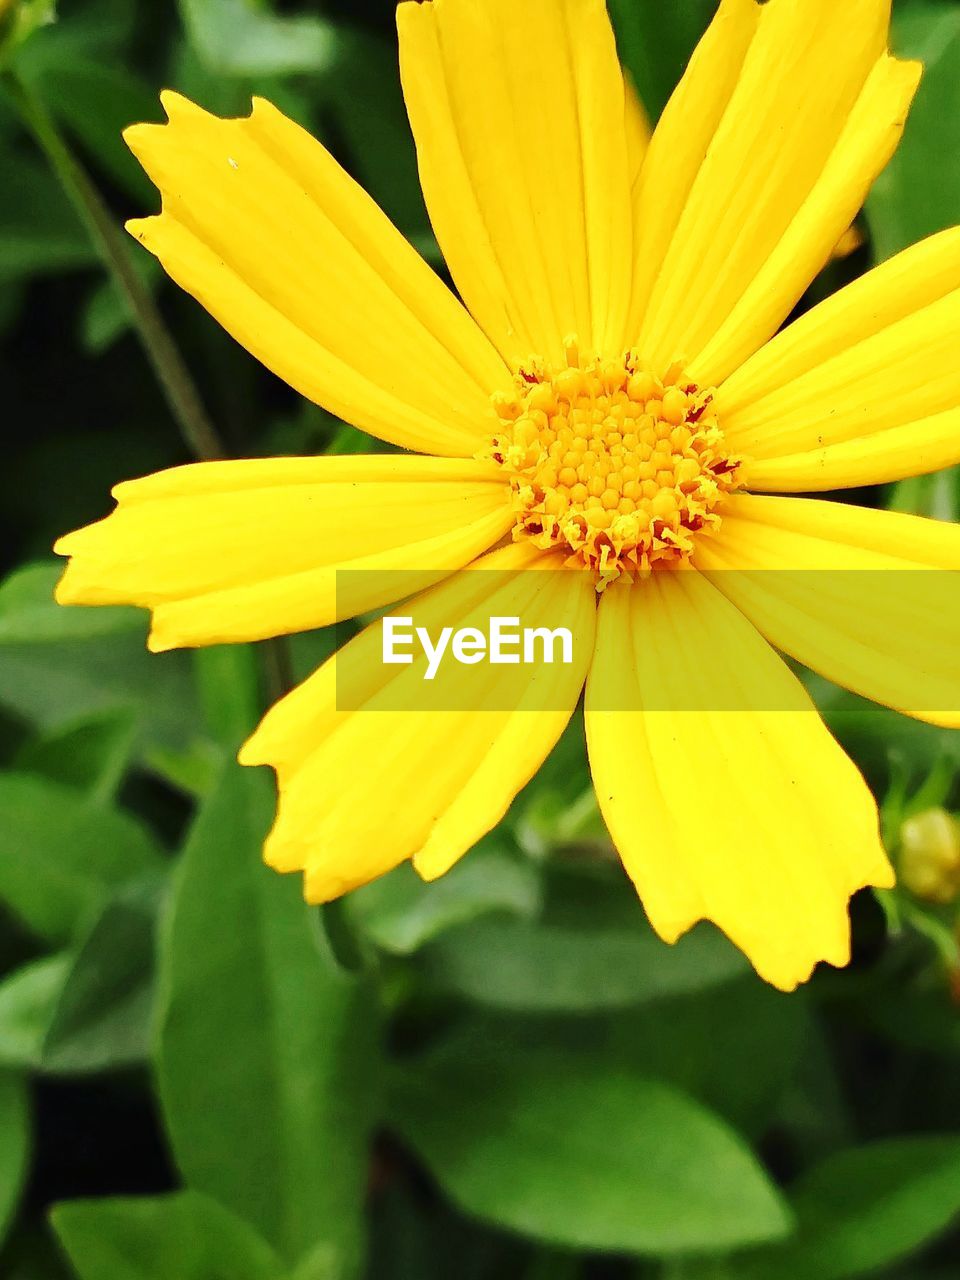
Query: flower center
620, 468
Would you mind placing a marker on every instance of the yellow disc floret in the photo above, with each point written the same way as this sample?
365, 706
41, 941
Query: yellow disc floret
617, 466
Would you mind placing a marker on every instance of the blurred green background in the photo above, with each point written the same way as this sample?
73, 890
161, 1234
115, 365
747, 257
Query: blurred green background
503, 1074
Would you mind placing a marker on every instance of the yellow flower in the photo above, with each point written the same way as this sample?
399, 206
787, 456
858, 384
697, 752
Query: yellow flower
607, 393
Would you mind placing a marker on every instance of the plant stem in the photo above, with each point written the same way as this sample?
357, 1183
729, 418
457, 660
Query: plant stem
178, 387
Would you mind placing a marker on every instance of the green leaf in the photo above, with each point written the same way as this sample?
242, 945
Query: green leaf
919, 191
734, 1047
865, 1208
102, 1016
524, 965
237, 38
60, 665
374, 126
266, 1049
29, 614
28, 999
62, 855
19, 19
400, 912
92, 754
179, 1237
656, 41
95, 100
591, 1159
89, 1011
106, 316
14, 1145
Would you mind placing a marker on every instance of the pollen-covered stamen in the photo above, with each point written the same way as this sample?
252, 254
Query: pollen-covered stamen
620, 467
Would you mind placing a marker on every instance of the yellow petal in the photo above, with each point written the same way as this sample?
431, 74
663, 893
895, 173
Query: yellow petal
228, 551
722, 789
813, 115
864, 388
265, 229
866, 142
375, 766
518, 114
680, 141
849, 592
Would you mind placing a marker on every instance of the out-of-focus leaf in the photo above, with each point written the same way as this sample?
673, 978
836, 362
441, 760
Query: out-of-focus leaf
106, 316
19, 19
60, 665
29, 614
538, 967
62, 855
919, 191
94, 97
186, 1236
28, 999
871, 734
228, 681
400, 912
266, 1049
91, 754
936, 496
733, 1047
362, 92
87, 1011
865, 1208
587, 1159
656, 41
14, 1145
241, 38
102, 1016
39, 231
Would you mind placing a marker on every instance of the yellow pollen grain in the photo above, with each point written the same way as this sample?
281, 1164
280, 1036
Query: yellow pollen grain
620, 468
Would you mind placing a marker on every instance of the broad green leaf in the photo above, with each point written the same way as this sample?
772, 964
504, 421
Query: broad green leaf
865, 1208
62, 855
14, 1145
733, 1047
179, 1237
28, 999
60, 665
228, 682
102, 1016
524, 965
656, 41
91, 754
591, 1159
240, 38
919, 191
30, 615
400, 912
266, 1050
90, 1010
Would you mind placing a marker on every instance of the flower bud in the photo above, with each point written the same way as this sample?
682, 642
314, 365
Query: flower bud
929, 862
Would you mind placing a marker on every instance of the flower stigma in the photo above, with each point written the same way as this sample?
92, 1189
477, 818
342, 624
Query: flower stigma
618, 467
